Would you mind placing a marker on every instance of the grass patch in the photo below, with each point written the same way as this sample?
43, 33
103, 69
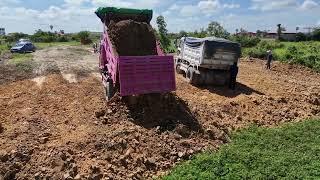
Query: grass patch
303, 53
46, 45
23, 62
3, 48
288, 152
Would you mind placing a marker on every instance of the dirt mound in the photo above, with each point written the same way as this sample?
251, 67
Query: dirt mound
165, 112
131, 38
63, 135
65, 130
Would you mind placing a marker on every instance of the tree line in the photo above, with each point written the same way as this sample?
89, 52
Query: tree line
217, 30
85, 37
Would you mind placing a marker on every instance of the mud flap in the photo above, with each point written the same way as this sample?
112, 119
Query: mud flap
192, 76
110, 90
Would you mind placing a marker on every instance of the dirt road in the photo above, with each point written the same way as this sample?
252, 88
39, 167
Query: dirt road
55, 123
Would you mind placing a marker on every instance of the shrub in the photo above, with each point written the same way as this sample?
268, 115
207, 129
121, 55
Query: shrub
62, 39
14, 37
84, 37
292, 50
270, 45
245, 41
316, 35
303, 53
262, 47
301, 37
256, 53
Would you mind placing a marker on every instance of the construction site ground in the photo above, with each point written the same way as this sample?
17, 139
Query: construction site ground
56, 124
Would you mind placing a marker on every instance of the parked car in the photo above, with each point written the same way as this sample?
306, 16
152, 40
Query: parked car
23, 47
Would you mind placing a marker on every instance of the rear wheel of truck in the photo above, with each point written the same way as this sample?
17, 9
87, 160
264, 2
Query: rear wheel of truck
178, 70
191, 76
109, 90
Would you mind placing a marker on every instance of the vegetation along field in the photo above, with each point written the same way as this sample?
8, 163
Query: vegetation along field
291, 151
303, 53
55, 121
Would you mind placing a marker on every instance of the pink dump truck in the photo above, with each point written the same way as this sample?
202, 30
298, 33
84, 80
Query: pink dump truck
132, 74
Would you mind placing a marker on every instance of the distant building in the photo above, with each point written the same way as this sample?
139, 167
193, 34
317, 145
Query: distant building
287, 36
271, 36
2, 31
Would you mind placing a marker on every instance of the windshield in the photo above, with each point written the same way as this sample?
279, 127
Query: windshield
20, 44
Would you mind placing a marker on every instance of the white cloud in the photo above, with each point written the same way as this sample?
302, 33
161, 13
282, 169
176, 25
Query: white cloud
204, 7
173, 7
231, 6
309, 4
265, 5
189, 10
209, 6
111, 3
126, 3
76, 15
75, 2
71, 19
4, 3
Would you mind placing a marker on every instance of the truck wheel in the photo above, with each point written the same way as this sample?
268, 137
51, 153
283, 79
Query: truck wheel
109, 90
178, 70
191, 76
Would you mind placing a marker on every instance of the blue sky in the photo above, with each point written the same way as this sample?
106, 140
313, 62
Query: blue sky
76, 15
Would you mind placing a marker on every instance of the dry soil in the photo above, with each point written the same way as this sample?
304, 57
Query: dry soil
55, 123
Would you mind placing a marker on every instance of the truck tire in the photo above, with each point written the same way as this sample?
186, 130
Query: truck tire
109, 90
191, 76
178, 70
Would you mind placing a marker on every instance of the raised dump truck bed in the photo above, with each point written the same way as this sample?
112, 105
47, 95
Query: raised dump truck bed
152, 72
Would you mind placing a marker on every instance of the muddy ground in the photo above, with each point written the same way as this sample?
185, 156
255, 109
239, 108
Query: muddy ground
55, 124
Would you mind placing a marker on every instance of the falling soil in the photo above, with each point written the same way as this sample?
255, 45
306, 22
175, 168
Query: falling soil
132, 38
65, 130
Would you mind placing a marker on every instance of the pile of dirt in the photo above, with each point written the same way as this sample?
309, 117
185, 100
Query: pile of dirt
63, 130
116, 18
132, 38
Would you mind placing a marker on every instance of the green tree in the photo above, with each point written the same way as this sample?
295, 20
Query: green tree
280, 30
182, 34
42, 36
84, 37
13, 37
301, 37
316, 35
215, 29
259, 33
163, 33
203, 33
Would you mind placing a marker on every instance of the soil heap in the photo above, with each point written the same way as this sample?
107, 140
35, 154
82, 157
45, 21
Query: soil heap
132, 38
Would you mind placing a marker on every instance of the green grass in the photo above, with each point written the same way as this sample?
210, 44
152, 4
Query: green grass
19, 58
23, 62
3, 48
45, 45
303, 53
288, 152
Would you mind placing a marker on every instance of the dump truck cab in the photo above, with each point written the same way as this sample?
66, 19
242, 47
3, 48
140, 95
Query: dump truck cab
206, 60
